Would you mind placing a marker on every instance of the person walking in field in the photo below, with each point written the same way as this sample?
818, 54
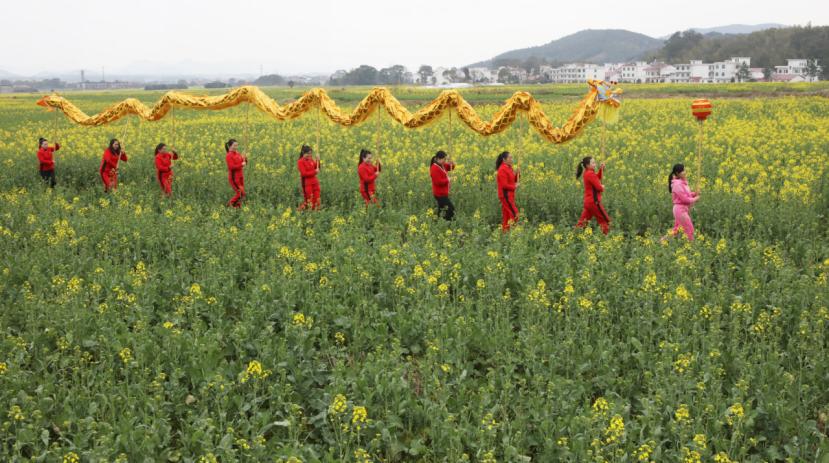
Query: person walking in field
109, 164
593, 189
309, 167
45, 157
439, 168
507, 178
368, 172
235, 176
163, 168
683, 199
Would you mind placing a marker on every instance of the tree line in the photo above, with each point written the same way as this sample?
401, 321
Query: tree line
767, 48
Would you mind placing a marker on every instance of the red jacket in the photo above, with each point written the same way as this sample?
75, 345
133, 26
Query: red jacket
44, 155
234, 162
592, 186
307, 168
440, 178
506, 181
368, 174
110, 160
163, 161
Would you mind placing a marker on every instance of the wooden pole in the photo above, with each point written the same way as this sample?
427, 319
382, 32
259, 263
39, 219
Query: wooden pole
604, 139
451, 133
699, 155
319, 110
377, 132
247, 128
55, 128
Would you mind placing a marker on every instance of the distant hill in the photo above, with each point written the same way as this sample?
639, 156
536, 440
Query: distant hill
738, 28
7, 75
766, 48
732, 29
591, 46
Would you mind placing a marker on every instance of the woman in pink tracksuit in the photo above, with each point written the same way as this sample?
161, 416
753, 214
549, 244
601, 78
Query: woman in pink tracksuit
683, 199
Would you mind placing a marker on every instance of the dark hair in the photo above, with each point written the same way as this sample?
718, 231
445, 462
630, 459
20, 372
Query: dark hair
501, 158
583, 165
304, 150
112, 142
229, 143
363, 153
439, 155
158, 147
40, 142
678, 169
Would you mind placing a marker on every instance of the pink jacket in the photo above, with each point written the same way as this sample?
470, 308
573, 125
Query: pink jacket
681, 194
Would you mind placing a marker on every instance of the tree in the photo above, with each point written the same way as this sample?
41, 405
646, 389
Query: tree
451, 75
743, 74
767, 73
532, 65
425, 72
393, 75
677, 47
812, 69
291, 84
467, 77
270, 79
363, 75
505, 76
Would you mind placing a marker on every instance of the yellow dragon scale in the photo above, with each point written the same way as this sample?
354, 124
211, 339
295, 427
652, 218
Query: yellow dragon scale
584, 113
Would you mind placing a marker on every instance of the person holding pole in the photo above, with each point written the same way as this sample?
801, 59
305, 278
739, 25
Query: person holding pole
683, 199
368, 172
309, 167
163, 168
593, 189
235, 175
507, 184
440, 166
109, 164
45, 157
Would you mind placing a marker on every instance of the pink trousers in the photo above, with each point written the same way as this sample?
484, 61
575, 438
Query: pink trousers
682, 218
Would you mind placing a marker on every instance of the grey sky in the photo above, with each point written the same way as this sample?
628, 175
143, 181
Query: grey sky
326, 35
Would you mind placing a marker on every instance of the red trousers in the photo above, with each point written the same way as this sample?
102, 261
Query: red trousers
596, 210
310, 193
110, 178
369, 197
237, 182
165, 180
509, 211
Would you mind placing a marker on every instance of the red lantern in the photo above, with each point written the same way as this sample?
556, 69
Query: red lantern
701, 109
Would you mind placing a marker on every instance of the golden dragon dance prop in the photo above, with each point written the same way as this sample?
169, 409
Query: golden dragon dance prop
584, 113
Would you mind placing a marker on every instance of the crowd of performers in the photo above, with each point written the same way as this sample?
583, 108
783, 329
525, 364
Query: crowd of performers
507, 177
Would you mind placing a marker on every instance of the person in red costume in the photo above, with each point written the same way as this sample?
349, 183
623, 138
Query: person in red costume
45, 157
507, 183
440, 166
309, 167
235, 176
163, 168
368, 172
593, 189
109, 164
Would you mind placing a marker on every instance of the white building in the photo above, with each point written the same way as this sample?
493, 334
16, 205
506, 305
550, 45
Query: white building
515, 73
482, 75
633, 72
795, 70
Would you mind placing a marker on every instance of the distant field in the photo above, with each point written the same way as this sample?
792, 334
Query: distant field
135, 328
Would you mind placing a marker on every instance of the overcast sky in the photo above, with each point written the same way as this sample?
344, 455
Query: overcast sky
302, 36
